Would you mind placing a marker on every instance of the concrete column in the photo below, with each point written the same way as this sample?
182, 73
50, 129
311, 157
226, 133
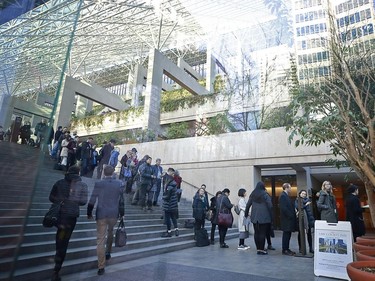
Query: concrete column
210, 75
153, 92
6, 109
42, 99
137, 83
255, 174
65, 106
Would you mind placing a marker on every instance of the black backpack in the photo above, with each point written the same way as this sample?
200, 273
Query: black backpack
201, 238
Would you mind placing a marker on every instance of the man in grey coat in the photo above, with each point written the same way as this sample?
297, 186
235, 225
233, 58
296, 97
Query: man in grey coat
288, 219
108, 194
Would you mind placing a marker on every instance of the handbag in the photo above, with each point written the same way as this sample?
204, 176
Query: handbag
121, 236
224, 218
52, 217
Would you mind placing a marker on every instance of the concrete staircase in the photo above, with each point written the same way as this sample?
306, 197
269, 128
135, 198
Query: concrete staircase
27, 248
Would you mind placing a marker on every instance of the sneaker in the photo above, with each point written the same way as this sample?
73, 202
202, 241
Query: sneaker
224, 246
242, 247
101, 271
107, 256
262, 252
247, 247
166, 234
176, 232
270, 248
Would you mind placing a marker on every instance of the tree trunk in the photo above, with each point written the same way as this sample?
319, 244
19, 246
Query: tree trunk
371, 199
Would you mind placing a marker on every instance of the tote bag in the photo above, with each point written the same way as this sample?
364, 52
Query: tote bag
121, 236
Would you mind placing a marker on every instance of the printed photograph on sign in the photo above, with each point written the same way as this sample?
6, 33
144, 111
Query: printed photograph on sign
333, 246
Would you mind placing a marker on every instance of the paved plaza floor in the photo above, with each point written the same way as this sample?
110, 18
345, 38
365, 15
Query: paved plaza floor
211, 263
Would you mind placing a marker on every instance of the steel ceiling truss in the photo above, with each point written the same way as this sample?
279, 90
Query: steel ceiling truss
111, 35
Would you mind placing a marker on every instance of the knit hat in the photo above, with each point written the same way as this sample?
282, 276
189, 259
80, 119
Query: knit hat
351, 188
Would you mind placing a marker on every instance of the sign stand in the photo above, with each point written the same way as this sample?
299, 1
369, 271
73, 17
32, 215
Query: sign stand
333, 249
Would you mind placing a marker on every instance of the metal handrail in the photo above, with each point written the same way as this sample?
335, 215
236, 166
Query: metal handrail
196, 187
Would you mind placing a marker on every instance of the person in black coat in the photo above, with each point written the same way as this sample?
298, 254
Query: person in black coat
223, 205
213, 208
200, 207
288, 219
86, 157
261, 215
170, 203
105, 154
71, 192
308, 218
354, 212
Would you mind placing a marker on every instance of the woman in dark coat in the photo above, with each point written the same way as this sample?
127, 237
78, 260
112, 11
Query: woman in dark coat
200, 208
354, 212
261, 215
213, 208
308, 217
223, 205
327, 203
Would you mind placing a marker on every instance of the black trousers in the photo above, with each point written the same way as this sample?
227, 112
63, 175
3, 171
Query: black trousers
260, 230
64, 232
268, 235
286, 240
222, 233
213, 228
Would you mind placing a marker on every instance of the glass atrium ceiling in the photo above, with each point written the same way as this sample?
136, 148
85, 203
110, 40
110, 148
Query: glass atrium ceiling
109, 35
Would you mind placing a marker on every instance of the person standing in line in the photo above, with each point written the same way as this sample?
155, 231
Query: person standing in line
242, 227
108, 196
327, 203
64, 150
158, 172
308, 219
213, 208
200, 208
2, 133
270, 232
40, 132
288, 220
170, 204
261, 215
86, 157
354, 212
145, 183
203, 197
72, 193
223, 206
105, 155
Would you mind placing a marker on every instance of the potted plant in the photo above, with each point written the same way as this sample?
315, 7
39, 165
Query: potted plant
366, 255
361, 247
361, 270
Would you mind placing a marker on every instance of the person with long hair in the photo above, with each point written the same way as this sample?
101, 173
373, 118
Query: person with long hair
308, 218
223, 206
242, 227
327, 203
261, 215
213, 208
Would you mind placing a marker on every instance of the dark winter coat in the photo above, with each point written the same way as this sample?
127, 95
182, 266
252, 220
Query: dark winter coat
223, 205
170, 202
107, 193
72, 191
261, 207
213, 207
25, 131
105, 153
308, 210
199, 207
146, 172
288, 219
354, 215
86, 150
327, 207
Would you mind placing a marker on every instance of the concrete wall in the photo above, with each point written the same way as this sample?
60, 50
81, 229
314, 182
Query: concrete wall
230, 160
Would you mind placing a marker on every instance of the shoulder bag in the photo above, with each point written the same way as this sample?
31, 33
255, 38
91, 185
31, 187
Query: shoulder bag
52, 217
121, 236
224, 217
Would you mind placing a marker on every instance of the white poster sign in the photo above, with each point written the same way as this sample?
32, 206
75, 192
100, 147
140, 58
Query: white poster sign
333, 249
